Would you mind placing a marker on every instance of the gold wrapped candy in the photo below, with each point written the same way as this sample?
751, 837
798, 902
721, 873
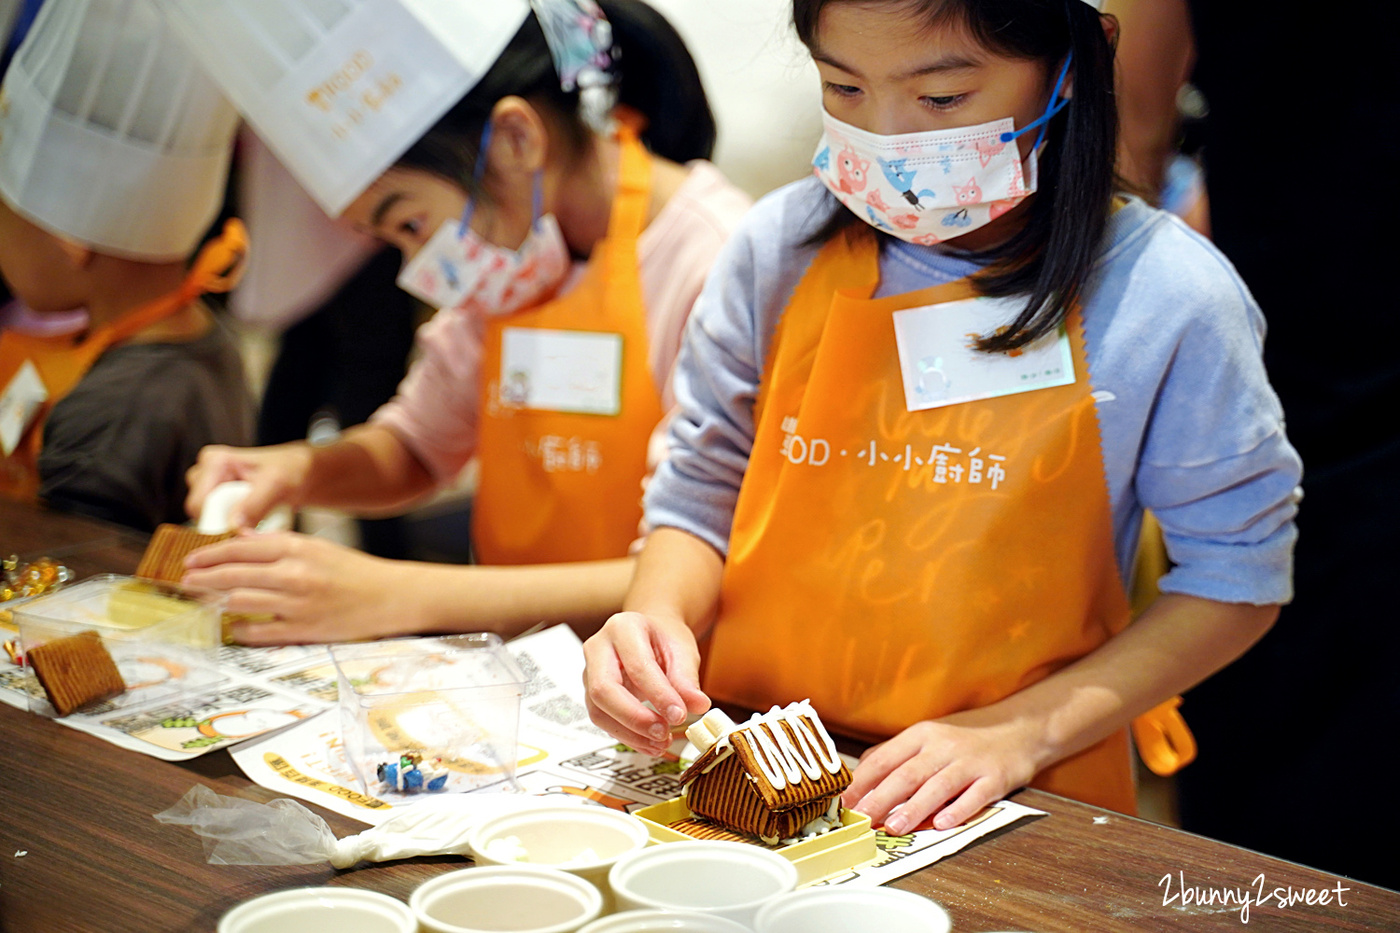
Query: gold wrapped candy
32, 579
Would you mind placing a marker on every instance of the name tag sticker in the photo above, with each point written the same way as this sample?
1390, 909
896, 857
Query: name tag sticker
561, 370
19, 404
942, 366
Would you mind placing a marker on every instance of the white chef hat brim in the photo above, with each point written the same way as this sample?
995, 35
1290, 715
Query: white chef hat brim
122, 190
339, 96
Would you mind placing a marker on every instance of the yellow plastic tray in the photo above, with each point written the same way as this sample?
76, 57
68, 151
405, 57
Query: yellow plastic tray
816, 859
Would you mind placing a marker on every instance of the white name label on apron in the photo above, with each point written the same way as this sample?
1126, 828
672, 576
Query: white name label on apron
561, 370
19, 404
942, 366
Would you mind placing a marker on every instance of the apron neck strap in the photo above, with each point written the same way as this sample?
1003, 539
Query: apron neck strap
217, 269
633, 194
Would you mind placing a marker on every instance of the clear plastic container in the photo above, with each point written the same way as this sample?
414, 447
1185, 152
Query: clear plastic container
429, 715
164, 640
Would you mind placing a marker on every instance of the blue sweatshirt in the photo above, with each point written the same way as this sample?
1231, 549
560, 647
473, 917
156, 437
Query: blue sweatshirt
1191, 428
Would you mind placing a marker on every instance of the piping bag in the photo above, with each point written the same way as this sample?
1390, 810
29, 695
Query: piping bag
283, 832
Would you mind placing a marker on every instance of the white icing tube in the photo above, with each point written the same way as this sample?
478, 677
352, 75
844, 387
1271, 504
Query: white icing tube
224, 498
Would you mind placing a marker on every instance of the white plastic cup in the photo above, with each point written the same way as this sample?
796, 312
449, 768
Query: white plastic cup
582, 840
727, 879
664, 921
519, 898
842, 909
320, 910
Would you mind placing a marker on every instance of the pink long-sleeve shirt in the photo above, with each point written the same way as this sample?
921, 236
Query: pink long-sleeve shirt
438, 404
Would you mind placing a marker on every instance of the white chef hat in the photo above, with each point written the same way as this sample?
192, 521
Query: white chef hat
111, 134
339, 89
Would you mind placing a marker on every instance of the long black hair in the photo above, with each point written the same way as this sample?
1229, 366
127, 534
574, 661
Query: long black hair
658, 79
1049, 258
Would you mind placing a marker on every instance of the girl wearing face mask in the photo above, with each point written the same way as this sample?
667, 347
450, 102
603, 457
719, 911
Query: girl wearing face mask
924, 400
565, 243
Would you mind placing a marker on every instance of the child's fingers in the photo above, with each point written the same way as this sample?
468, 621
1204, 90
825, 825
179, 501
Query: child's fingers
270, 489
641, 667
898, 787
258, 602
628, 737
254, 571
876, 765
269, 632
683, 674
872, 750
615, 706
696, 702
931, 797
245, 549
620, 706
983, 792
213, 466
223, 578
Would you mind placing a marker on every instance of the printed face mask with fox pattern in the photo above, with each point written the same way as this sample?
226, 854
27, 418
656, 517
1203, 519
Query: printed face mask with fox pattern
932, 186
925, 187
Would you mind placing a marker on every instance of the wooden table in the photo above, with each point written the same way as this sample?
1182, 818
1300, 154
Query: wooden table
96, 862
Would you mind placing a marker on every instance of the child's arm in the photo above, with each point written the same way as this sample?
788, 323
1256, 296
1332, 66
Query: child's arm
319, 591
649, 651
368, 469
957, 765
419, 439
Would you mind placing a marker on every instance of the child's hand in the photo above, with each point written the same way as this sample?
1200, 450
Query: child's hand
637, 658
313, 590
278, 475
953, 767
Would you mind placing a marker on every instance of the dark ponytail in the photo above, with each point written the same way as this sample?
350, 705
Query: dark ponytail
658, 79
1050, 258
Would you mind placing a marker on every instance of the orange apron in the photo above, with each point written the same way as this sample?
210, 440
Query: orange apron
63, 361
899, 566
561, 486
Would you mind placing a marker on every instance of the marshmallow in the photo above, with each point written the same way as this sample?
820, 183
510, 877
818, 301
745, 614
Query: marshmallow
709, 729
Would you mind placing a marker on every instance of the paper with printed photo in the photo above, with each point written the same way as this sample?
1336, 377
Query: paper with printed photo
176, 710
563, 755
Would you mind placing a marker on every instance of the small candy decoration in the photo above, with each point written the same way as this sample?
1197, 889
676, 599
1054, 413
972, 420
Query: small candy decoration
40, 576
407, 775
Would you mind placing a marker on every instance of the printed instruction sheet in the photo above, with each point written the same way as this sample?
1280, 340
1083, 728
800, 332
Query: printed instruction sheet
562, 753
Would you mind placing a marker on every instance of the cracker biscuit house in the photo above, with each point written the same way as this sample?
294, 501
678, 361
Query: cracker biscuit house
773, 777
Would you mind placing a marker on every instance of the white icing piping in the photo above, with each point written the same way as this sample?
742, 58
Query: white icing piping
779, 768
782, 761
830, 757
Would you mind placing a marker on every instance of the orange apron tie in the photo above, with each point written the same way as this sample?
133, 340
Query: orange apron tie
562, 486
874, 565
1163, 739
63, 361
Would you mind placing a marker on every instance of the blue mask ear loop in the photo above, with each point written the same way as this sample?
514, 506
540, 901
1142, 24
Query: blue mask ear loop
1057, 103
478, 172
538, 200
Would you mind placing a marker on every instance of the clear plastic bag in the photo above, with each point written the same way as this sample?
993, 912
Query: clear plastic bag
283, 832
